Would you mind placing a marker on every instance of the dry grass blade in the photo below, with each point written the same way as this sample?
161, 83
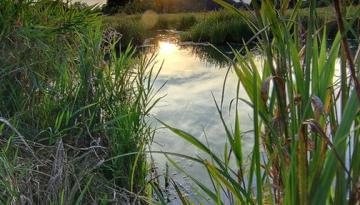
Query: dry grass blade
19, 136
57, 178
316, 128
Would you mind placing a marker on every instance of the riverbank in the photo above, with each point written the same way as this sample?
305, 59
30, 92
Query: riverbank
73, 126
217, 27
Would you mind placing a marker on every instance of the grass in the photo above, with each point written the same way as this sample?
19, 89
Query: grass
214, 27
136, 28
305, 120
217, 27
72, 108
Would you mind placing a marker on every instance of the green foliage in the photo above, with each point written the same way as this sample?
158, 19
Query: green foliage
72, 107
137, 6
305, 117
215, 27
135, 30
186, 22
131, 30
219, 28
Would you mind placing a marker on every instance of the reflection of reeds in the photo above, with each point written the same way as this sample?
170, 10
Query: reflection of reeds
305, 127
209, 54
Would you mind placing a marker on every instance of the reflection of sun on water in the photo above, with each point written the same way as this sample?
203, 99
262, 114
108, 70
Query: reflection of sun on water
166, 47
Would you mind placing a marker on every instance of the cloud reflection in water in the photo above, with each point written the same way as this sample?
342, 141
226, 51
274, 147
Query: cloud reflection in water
189, 105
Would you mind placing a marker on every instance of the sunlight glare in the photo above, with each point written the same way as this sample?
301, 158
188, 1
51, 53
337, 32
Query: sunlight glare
166, 47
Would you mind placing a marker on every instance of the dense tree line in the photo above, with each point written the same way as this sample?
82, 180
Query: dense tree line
116, 3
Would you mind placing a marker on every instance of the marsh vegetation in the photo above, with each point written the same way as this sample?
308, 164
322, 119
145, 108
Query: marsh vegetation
72, 122
78, 90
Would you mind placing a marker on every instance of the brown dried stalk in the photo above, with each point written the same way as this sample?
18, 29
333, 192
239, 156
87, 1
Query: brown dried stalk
345, 44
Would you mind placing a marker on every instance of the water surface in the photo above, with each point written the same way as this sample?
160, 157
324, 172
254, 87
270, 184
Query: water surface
193, 74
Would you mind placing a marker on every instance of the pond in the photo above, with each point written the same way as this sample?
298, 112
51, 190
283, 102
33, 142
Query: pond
193, 74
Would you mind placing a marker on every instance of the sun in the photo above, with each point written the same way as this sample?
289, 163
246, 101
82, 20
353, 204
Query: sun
166, 47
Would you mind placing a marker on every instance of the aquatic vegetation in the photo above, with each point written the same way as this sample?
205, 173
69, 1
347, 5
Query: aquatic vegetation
73, 108
131, 30
305, 115
218, 28
136, 28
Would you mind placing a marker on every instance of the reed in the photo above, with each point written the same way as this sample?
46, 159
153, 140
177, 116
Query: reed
217, 27
305, 118
136, 28
73, 108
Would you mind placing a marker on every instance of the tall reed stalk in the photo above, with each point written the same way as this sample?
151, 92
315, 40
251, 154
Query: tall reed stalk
73, 108
305, 117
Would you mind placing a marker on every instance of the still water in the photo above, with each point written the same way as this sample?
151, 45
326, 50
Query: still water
192, 73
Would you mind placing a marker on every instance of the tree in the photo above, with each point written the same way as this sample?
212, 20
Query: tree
117, 3
112, 6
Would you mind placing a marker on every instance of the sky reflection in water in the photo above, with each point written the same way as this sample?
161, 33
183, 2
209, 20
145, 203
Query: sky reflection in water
188, 105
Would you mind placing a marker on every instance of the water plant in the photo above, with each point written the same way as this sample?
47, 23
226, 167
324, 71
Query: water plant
136, 28
305, 114
219, 27
73, 108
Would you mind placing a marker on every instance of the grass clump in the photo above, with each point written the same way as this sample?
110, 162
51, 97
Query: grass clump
305, 117
136, 28
72, 125
180, 21
131, 30
218, 28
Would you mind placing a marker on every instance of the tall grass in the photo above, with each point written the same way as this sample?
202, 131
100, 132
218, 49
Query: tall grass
72, 109
136, 28
218, 28
305, 117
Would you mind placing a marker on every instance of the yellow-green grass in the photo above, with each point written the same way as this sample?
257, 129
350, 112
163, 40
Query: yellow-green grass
216, 27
